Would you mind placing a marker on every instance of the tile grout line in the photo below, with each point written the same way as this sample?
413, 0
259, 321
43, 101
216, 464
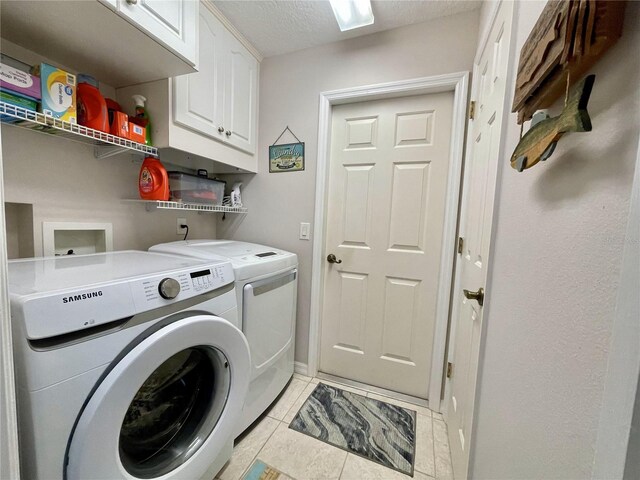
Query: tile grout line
260, 449
343, 464
294, 401
274, 430
415, 469
446, 427
433, 448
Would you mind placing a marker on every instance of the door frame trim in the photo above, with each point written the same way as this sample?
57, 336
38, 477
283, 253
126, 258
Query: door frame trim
458, 83
9, 449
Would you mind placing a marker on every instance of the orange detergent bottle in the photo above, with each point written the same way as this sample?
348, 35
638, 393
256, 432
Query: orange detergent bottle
153, 181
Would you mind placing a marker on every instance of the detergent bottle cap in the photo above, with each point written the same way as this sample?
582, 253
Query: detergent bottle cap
139, 100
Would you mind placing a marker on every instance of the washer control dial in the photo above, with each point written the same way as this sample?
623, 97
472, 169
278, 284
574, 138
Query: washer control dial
169, 288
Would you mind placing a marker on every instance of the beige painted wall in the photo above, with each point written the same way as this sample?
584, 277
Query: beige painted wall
66, 183
289, 90
558, 245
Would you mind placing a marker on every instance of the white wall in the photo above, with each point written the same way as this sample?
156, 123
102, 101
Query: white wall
615, 434
289, 90
66, 183
559, 234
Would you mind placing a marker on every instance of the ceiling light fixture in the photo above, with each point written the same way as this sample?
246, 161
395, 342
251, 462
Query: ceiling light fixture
352, 14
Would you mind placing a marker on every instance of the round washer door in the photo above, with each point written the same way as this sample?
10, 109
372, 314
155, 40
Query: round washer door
167, 408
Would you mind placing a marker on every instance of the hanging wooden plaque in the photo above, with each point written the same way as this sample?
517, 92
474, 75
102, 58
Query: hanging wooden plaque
569, 38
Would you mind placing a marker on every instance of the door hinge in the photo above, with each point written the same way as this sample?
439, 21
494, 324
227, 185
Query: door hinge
449, 369
472, 110
460, 244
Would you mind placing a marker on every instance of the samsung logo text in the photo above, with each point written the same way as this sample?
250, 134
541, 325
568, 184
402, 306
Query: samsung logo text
82, 296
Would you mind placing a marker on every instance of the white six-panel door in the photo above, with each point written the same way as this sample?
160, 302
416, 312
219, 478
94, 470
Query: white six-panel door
385, 216
483, 147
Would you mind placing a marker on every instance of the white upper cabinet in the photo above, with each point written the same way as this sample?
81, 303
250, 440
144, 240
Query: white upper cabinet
242, 92
119, 42
220, 101
199, 97
171, 22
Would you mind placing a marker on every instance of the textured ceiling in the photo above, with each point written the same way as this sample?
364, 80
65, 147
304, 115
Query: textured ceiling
280, 26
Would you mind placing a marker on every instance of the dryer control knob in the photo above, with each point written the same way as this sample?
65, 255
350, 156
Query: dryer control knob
169, 288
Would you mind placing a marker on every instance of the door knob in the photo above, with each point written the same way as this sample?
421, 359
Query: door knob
220, 129
331, 258
132, 2
228, 133
477, 296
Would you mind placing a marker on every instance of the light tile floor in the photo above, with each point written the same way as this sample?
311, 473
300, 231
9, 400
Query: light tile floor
305, 458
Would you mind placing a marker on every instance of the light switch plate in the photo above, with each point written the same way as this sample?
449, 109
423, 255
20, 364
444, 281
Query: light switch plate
305, 231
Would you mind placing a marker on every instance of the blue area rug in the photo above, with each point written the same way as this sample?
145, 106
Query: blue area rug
375, 430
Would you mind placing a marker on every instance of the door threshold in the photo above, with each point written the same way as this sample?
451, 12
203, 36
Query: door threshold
377, 390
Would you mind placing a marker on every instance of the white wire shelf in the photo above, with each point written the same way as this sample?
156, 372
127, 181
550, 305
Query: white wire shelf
152, 204
106, 144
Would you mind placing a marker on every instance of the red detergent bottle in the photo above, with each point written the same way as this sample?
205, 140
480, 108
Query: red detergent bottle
92, 107
153, 181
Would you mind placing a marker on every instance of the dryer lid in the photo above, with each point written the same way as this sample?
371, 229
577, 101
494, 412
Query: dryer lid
249, 260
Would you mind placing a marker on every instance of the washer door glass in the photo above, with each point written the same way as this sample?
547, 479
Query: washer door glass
174, 411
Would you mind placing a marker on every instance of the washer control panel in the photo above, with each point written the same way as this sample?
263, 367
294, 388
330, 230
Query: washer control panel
180, 285
169, 288
202, 279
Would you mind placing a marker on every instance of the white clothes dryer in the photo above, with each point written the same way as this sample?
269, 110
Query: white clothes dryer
266, 287
124, 367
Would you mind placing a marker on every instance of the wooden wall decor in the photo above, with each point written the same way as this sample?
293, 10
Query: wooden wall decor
540, 141
568, 38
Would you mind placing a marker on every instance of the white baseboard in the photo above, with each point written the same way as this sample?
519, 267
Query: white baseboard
300, 368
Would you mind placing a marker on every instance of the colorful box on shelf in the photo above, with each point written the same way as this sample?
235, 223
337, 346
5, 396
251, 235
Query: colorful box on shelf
17, 101
136, 132
120, 125
19, 82
58, 93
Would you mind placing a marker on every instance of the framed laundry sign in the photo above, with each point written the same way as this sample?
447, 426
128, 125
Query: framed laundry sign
286, 157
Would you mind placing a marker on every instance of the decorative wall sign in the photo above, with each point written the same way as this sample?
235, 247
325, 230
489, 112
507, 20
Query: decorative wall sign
568, 39
286, 157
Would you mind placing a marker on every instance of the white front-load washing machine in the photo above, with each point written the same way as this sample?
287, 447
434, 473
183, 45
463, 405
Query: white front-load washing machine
124, 367
266, 286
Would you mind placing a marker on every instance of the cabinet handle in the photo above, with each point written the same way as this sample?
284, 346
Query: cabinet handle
228, 133
220, 129
132, 2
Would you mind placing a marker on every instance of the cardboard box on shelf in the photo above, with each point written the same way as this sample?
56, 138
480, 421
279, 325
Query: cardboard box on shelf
19, 82
58, 93
120, 125
136, 133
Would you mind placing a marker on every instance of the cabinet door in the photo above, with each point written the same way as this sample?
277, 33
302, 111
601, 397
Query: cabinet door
241, 96
198, 98
172, 23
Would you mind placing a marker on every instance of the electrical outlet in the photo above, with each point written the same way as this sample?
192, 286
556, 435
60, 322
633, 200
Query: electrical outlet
179, 229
